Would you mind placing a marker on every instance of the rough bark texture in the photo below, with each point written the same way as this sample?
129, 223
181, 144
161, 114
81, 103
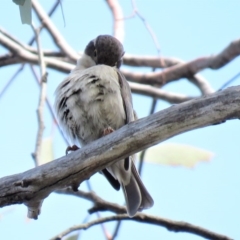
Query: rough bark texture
32, 186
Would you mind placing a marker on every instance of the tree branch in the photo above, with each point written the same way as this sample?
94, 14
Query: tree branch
188, 69
174, 72
158, 93
42, 97
174, 226
54, 32
100, 204
36, 184
166, 62
118, 28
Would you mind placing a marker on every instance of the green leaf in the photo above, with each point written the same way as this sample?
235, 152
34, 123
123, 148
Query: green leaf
73, 237
177, 155
19, 2
46, 154
25, 8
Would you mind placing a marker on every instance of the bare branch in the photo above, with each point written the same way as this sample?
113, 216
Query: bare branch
49, 107
34, 208
174, 226
102, 205
148, 27
172, 73
10, 81
36, 184
42, 96
54, 32
135, 87
189, 69
158, 93
118, 28
52, 10
99, 203
166, 62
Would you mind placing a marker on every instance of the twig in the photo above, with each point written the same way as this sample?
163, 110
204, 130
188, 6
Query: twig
173, 226
105, 232
11, 80
99, 203
64, 21
42, 97
148, 27
30, 43
152, 110
22, 55
54, 32
229, 81
118, 28
52, 10
49, 107
158, 93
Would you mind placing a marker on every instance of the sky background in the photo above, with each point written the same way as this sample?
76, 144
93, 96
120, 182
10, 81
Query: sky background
207, 195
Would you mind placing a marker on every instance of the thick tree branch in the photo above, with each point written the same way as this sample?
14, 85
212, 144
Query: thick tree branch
36, 184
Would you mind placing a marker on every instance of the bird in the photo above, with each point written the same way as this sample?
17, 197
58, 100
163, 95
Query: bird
95, 100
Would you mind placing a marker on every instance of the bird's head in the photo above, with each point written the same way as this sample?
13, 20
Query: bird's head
106, 50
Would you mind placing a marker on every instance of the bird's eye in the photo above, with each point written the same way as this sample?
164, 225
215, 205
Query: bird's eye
95, 53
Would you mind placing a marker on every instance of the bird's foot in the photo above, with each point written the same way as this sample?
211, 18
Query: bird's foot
107, 131
71, 148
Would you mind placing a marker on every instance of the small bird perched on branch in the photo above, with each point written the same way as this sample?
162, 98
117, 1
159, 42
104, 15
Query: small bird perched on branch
93, 101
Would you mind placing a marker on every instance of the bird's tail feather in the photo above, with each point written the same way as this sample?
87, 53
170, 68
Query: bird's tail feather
136, 195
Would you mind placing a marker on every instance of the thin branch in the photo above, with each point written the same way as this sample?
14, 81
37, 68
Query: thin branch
152, 110
165, 62
42, 97
135, 87
54, 32
148, 27
99, 203
158, 93
49, 106
105, 232
173, 73
118, 28
50, 13
11, 80
189, 69
102, 205
33, 186
229, 81
173, 226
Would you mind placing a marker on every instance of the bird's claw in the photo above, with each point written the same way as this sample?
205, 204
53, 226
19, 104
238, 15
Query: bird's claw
107, 131
71, 148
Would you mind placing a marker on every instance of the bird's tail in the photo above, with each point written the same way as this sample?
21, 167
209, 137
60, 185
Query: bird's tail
136, 195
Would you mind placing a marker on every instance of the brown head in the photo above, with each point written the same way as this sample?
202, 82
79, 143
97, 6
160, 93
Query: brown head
106, 50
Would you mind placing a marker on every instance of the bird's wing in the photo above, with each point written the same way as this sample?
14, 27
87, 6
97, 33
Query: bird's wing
126, 96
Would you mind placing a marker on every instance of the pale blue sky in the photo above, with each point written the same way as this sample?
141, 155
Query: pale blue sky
207, 195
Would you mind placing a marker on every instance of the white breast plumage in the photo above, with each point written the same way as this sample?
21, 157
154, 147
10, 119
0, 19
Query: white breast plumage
88, 101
